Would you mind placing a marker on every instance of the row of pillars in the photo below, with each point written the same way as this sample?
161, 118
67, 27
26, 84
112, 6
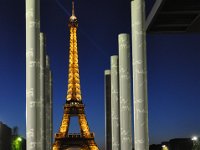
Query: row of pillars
118, 88
38, 83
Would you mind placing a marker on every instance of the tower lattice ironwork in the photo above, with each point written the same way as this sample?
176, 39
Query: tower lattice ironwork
74, 105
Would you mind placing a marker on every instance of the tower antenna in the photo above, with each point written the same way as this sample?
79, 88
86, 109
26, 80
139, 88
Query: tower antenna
73, 13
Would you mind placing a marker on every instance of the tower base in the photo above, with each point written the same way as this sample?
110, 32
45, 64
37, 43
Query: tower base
84, 140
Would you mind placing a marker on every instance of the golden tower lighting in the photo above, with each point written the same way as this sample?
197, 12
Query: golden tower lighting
74, 105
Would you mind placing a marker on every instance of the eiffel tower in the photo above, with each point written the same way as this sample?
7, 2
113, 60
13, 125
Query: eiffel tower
74, 105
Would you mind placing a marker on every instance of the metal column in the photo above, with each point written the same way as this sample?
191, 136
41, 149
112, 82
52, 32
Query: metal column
107, 92
139, 75
32, 51
125, 92
115, 103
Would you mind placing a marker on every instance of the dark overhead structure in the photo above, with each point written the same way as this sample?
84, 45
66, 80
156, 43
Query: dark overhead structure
172, 16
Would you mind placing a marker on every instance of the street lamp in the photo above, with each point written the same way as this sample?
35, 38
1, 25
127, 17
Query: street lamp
19, 139
196, 144
194, 138
164, 147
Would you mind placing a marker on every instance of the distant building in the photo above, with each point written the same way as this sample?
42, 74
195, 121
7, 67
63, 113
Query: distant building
174, 144
5, 137
181, 144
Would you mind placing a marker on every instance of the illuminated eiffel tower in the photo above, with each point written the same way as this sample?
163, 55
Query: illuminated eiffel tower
74, 105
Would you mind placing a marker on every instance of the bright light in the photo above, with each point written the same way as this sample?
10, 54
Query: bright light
164, 147
195, 138
19, 139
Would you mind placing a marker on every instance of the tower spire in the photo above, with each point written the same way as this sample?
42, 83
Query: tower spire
73, 19
73, 12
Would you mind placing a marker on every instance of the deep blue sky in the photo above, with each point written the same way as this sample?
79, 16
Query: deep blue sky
173, 66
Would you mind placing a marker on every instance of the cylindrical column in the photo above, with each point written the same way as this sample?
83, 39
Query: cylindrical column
50, 110
115, 103
107, 92
139, 75
42, 81
38, 99
32, 51
125, 92
47, 104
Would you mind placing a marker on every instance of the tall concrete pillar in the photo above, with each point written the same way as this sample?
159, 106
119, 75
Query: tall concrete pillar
38, 99
139, 75
115, 103
107, 92
32, 52
125, 92
50, 110
42, 81
47, 104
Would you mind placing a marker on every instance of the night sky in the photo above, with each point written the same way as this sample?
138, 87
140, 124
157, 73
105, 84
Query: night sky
173, 66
